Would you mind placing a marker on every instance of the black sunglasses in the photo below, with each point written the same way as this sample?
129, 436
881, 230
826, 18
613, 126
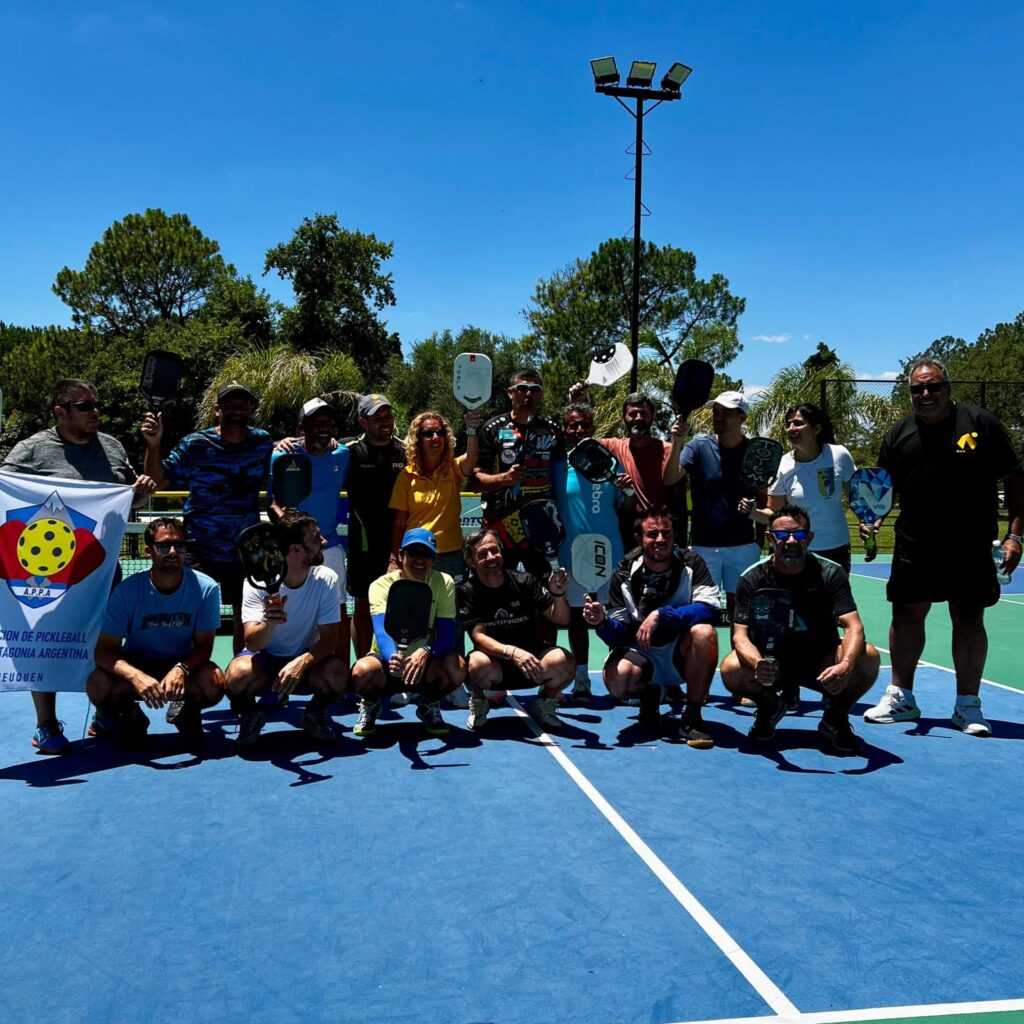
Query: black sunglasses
927, 388
163, 547
86, 405
433, 433
527, 389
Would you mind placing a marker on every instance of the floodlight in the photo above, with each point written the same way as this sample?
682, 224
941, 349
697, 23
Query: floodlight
605, 71
641, 73
675, 76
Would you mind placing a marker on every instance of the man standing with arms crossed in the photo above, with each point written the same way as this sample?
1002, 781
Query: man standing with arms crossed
946, 460
73, 449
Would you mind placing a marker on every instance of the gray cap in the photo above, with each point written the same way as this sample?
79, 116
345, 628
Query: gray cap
369, 404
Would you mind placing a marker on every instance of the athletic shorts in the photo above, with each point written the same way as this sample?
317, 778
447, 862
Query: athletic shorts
334, 558
363, 568
960, 572
661, 666
512, 677
804, 670
728, 564
155, 667
230, 576
272, 664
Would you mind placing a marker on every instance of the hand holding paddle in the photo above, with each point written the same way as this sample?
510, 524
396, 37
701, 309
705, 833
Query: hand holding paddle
407, 620
606, 368
471, 379
871, 494
771, 619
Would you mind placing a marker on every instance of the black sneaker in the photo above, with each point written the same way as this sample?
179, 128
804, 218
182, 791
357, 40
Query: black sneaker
791, 695
770, 711
187, 719
838, 732
132, 726
650, 707
693, 731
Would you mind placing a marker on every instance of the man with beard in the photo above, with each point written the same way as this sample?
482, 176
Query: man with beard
659, 626
811, 654
330, 472
377, 459
522, 458
74, 449
223, 468
291, 636
946, 459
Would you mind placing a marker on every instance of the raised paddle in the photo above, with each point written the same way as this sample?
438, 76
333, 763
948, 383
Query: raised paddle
471, 379
161, 378
591, 562
610, 364
263, 556
595, 463
692, 386
871, 494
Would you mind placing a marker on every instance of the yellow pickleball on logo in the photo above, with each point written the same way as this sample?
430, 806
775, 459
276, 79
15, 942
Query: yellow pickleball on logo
45, 547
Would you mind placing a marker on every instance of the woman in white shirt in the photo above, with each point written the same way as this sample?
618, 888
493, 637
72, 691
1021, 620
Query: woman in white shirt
814, 475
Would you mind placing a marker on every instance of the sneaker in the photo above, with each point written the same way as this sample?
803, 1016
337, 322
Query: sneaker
250, 725
839, 733
896, 705
791, 695
459, 699
581, 690
187, 719
103, 724
430, 716
544, 710
672, 695
770, 711
693, 731
318, 725
650, 707
366, 723
132, 725
479, 709
270, 701
967, 716
49, 738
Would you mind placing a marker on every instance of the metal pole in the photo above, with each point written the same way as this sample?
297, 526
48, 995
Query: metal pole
634, 309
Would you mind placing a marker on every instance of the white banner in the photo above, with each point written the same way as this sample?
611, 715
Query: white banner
59, 541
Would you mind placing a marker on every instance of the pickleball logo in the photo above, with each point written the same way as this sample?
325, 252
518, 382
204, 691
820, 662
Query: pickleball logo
46, 549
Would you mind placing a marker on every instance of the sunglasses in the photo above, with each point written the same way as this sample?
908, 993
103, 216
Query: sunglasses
164, 547
932, 387
579, 425
419, 553
783, 535
433, 433
86, 405
527, 389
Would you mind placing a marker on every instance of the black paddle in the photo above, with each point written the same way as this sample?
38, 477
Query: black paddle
771, 619
543, 528
407, 614
692, 387
595, 463
291, 478
161, 377
761, 458
263, 556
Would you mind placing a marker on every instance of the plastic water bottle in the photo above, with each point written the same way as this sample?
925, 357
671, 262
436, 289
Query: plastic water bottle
997, 559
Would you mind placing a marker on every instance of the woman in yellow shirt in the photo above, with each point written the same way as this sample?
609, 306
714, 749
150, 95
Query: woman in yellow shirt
427, 492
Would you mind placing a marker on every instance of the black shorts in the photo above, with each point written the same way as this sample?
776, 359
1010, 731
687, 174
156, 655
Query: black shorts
805, 669
958, 572
512, 677
230, 576
364, 567
157, 668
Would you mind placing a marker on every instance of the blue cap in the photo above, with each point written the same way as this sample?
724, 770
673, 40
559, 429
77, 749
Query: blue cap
420, 536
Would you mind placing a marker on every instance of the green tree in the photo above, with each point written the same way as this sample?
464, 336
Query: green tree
586, 307
339, 287
148, 267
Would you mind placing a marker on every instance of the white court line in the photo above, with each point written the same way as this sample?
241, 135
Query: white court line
755, 977
865, 576
931, 664
878, 1013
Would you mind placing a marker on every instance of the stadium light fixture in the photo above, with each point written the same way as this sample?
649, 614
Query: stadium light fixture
605, 71
641, 74
675, 76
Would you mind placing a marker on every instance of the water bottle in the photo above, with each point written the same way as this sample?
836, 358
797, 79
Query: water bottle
997, 560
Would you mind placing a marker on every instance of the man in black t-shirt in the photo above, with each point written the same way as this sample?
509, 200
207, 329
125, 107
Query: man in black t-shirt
946, 460
812, 653
502, 613
377, 459
522, 458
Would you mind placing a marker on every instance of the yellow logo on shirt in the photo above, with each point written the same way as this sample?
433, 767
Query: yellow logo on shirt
968, 442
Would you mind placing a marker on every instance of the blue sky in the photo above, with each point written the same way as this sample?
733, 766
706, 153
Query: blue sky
854, 169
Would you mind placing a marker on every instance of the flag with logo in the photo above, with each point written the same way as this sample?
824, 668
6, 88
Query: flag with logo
59, 541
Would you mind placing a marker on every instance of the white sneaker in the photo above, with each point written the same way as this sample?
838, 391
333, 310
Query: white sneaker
967, 716
896, 705
545, 713
479, 709
459, 699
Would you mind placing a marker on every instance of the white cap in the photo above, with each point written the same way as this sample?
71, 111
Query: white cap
312, 406
730, 400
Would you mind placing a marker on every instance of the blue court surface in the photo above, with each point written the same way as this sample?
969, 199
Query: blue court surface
601, 876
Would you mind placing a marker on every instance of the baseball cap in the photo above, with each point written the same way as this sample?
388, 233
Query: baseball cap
231, 388
314, 405
419, 536
369, 404
730, 400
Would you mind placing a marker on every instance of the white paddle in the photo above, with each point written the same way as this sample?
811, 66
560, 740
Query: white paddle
610, 365
591, 561
471, 379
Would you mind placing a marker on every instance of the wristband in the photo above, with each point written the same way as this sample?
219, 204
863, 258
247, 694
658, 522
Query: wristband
1016, 537
184, 668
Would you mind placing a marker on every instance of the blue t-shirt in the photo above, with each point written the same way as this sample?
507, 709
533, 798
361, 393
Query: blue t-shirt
587, 507
162, 626
715, 484
330, 474
223, 483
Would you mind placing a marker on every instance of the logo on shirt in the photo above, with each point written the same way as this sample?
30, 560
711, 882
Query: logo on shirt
827, 482
46, 549
968, 442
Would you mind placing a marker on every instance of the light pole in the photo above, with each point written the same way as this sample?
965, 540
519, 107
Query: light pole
638, 88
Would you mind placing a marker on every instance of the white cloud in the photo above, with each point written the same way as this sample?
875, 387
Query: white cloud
807, 337
772, 339
884, 375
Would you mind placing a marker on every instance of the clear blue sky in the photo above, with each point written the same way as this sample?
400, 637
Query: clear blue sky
853, 169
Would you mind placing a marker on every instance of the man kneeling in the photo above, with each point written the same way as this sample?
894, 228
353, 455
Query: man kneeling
811, 654
659, 626
155, 644
291, 636
429, 667
501, 612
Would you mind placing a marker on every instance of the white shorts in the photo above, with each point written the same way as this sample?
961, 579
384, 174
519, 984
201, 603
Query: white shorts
659, 663
728, 564
334, 558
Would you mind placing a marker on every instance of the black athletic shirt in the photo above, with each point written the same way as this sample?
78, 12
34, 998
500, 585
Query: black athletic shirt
535, 447
508, 613
821, 593
946, 474
371, 479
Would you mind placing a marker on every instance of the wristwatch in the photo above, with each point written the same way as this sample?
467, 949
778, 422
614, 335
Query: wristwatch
470, 431
1014, 537
184, 668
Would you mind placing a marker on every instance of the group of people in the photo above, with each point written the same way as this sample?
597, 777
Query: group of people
496, 601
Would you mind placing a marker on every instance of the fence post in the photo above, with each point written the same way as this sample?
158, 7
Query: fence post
823, 395
981, 395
